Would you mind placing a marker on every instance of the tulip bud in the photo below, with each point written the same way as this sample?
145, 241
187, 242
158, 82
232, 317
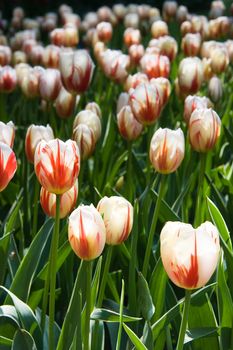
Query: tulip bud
51, 56
134, 80
8, 79
167, 150
65, 103
94, 107
155, 65
19, 57
191, 44
219, 60
131, 20
159, 28
189, 255
7, 133
207, 69
204, 129
135, 53
76, 70
104, 31
8, 165
67, 201
50, 84
30, 84
168, 46
164, 88
57, 165
122, 101
194, 102
186, 27
145, 103
83, 135
117, 214
87, 233
36, 133
5, 55
181, 14
119, 10
71, 37
128, 125
169, 9
132, 36
90, 119
215, 89
115, 64
37, 54
190, 75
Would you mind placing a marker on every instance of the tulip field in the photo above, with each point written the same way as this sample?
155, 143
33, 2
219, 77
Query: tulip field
116, 178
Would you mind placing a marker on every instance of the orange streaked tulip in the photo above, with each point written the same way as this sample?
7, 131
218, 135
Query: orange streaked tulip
90, 119
194, 102
128, 125
83, 135
155, 65
8, 165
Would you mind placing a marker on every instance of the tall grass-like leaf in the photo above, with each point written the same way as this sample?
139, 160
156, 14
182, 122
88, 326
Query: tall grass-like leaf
166, 212
5, 343
23, 341
145, 301
134, 338
4, 248
158, 283
197, 333
111, 316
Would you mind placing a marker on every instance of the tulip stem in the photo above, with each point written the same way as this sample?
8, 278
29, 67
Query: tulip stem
53, 262
198, 211
35, 209
153, 227
184, 320
129, 181
105, 275
88, 304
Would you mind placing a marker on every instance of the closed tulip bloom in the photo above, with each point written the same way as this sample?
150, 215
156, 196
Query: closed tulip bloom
50, 84
145, 103
35, 134
7, 133
190, 75
90, 119
86, 232
95, 108
30, 84
8, 79
167, 150
215, 89
83, 135
57, 36
119, 10
219, 60
76, 70
67, 201
207, 69
19, 57
159, 28
135, 53
191, 44
204, 129
168, 46
131, 20
71, 35
155, 65
104, 31
65, 103
128, 125
164, 88
51, 56
117, 214
5, 55
57, 165
181, 14
194, 102
169, 9
132, 37
8, 165
37, 54
115, 64
189, 255
123, 100
134, 80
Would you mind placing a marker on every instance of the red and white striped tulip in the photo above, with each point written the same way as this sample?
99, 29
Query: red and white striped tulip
8, 79
83, 135
191, 44
155, 65
128, 125
90, 119
95, 108
189, 255
132, 37
117, 214
134, 80
65, 103
190, 75
8, 165
7, 133
194, 102
50, 84
104, 31
86, 232
159, 28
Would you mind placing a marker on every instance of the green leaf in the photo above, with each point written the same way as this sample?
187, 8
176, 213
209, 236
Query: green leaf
4, 248
9, 312
145, 301
23, 341
158, 284
5, 343
111, 316
12, 215
95, 283
197, 333
166, 212
134, 338
24, 276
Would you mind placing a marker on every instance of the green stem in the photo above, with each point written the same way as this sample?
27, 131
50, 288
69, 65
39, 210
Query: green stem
129, 182
35, 209
149, 135
105, 275
118, 345
88, 304
153, 227
53, 261
198, 214
184, 320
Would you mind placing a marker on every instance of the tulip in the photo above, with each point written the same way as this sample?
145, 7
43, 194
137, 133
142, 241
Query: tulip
123, 100
35, 134
115, 64
51, 56
186, 27
191, 44
164, 88
207, 69
71, 35
155, 65
37, 54
8, 165
104, 31
168, 46
181, 14
83, 135
57, 36
167, 150
90, 119
57, 165
169, 9
204, 129
30, 83
76, 70
159, 28
87, 233
65, 103
194, 102
215, 89
19, 57
145, 103
190, 75
132, 37
189, 255
50, 84
134, 80
128, 125
94, 107
219, 60
7, 133
135, 53
119, 10
131, 20
5, 55
8, 79
117, 214
67, 201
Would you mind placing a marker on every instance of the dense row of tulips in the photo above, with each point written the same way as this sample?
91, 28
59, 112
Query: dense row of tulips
126, 138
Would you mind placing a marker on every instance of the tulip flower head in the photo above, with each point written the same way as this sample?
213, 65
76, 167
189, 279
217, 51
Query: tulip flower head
167, 150
194, 102
190, 75
94, 107
128, 125
65, 103
83, 135
7, 133
67, 201
90, 119
49, 84
87, 233
117, 214
158, 29
204, 129
104, 31
8, 165
57, 165
215, 89
155, 65
8, 79
189, 255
